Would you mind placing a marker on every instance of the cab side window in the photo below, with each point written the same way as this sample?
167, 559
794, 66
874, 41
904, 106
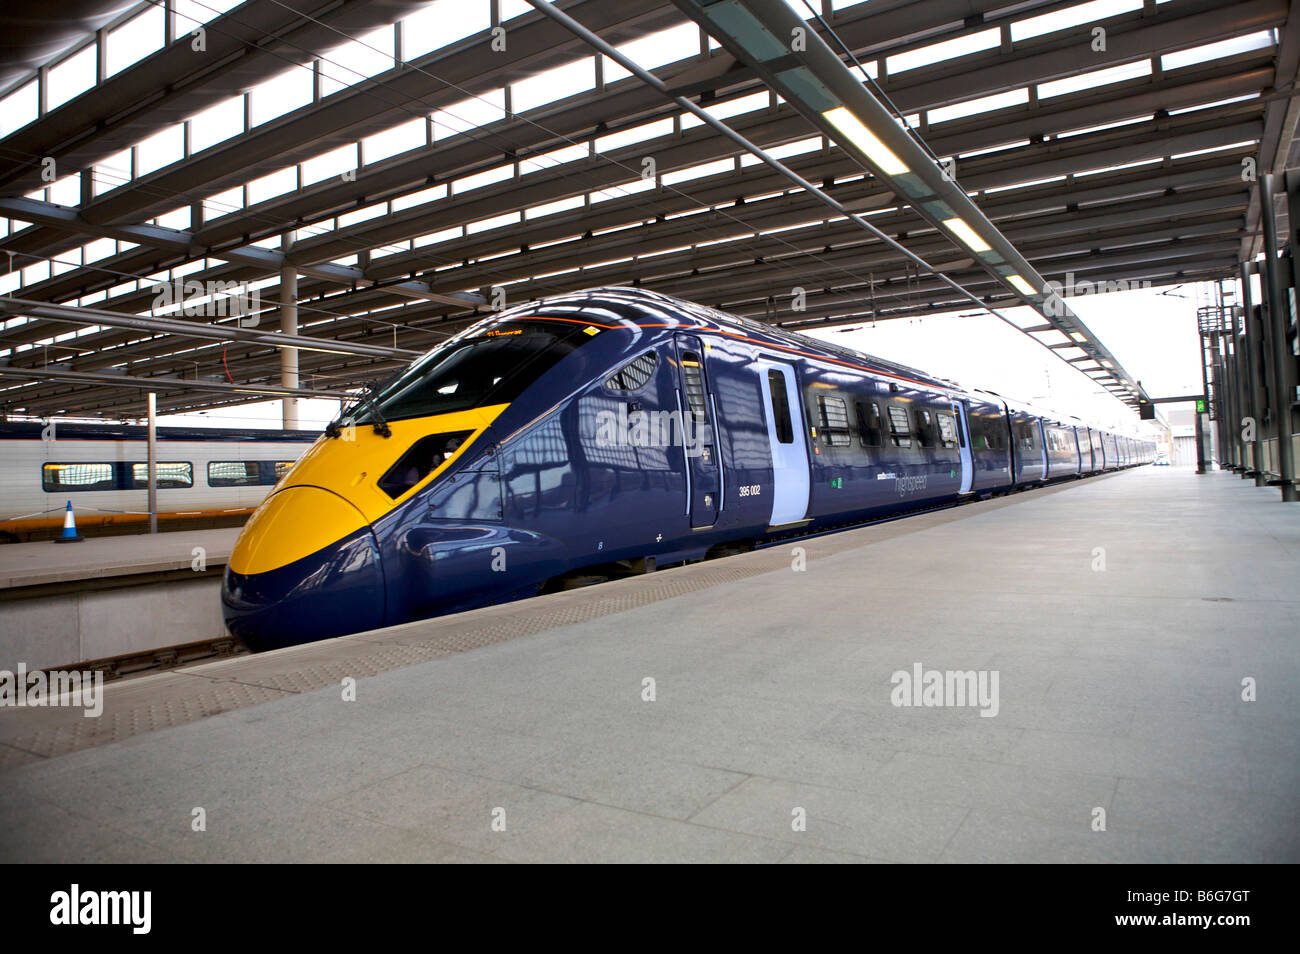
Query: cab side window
634, 375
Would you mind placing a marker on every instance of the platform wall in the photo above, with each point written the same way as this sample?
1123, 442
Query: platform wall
56, 631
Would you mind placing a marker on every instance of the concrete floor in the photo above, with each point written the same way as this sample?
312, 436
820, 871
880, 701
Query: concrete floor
35, 564
1119, 689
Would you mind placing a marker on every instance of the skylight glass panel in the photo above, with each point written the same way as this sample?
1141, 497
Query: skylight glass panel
72, 77
269, 186
281, 94
1094, 79
442, 23
554, 84
134, 40
161, 149
469, 114
391, 142
1083, 13
945, 50
350, 63
657, 49
984, 104
217, 123
332, 164
1261, 40
18, 108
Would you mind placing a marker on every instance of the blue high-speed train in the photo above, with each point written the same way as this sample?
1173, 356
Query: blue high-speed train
612, 430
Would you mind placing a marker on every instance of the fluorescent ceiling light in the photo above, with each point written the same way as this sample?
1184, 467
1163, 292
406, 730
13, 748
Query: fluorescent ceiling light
1022, 286
1077, 337
969, 237
861, 137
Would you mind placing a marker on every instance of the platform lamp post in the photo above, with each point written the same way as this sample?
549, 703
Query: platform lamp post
152, 404
1281, 356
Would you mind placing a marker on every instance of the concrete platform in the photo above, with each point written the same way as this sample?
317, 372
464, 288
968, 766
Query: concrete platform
64, 604
1121, 614
97, 558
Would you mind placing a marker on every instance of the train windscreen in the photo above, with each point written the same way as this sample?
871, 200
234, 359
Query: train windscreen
492, 366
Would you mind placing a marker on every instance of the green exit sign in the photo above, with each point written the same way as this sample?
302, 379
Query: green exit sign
1200, 407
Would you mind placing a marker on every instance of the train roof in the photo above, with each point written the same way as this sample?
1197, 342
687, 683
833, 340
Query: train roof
639, 300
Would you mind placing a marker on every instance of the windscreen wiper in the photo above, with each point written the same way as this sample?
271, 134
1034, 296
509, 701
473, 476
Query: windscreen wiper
380, 426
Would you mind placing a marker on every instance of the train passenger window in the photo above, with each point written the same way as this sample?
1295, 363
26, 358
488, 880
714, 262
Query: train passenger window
947, 429
924, 427
869, 423
899, 431
693, 375
170, 475
1026, 433
282, 468
234, 473
834, 420
57, 478
780, 407
994, 432
634, 375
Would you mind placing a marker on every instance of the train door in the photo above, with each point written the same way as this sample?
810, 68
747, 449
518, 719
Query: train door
699, 443
1042, 439
785, 434
963, 442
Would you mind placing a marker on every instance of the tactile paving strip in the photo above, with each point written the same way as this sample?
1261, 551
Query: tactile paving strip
174, 698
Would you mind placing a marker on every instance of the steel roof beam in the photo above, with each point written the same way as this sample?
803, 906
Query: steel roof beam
161, 383
194, 329
264, 260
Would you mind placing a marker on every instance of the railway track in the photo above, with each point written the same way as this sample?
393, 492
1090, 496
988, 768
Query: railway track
162, 659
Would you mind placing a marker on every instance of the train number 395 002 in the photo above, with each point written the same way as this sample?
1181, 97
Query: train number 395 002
751, 490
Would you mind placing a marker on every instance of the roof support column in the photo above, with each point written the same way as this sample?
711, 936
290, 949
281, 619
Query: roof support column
152, 466
289, 326
1228, 416
1255, 378
1282, 356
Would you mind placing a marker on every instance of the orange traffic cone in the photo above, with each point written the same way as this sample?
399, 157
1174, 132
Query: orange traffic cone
70, 534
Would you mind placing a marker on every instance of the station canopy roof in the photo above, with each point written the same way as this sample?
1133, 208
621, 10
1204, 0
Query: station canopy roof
416, 163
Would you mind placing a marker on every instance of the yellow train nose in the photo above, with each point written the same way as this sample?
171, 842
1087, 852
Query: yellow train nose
306, 567
291, 524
